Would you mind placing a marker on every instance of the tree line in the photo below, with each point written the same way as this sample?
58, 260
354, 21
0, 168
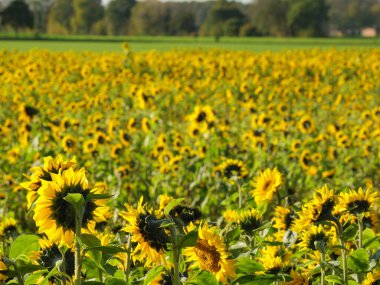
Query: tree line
209, 18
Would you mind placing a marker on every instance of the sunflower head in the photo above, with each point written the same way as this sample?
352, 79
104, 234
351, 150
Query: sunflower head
8, 228
249, 220
55, 217
312, 236
231, 169
271, 259
372, 278
209, 253
357, 202
3, 267
266, 184
283, 218
147, 232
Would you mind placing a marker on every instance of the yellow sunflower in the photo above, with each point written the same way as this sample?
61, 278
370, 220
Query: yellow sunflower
356, 202
283, 218
210, 254
231, 168
8, 228
312, 235
43, 173
266, 185
3, 267
249, 219
320, 208
372, 278
271, 259
145, 229
55, 217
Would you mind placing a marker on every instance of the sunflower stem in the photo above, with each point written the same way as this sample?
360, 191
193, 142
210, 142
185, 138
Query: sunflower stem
128, 259
62, 267
360, 241
323, 258
78, 263
173, 230
240, 193
339, 229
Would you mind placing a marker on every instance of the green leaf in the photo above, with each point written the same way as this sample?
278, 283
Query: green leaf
33, 278
190, 239
93, 196
171, 205
358, 260
28, 268
334, 279
352, 282
350, 232
166, 224
88, 241
248, 266
115, 281
152, 274
24, 245
203, 278
265, 279
93, 283
76, 200
53, 272
109, 249
233, 235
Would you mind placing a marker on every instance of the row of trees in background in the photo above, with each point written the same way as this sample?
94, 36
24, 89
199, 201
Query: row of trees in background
210, 18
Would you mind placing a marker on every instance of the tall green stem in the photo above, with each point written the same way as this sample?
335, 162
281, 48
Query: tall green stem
360, 230
175, 255
323, 258
339, 229
128, 259
77, 257
240, 193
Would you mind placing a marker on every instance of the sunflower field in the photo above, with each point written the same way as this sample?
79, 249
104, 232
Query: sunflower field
190, 167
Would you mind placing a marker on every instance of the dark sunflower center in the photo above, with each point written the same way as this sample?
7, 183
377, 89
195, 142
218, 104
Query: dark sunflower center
306, 161
64, 213
50, 256
358, 206
201, 116
306, 124
195, 132
208, 255
267, 184
231, 170
70, 143
325, 213
289, 218
186, 214
151, 231
126, 137
274, 270
10, 230
249, 224
318, 237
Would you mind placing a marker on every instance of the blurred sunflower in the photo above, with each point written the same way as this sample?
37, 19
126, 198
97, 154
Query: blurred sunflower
210, 253
283, 218
69, 143
271, 259
357, 202
372, 278
8, 228
55, 217
146, 231
266, 185
249, 220
231, 169
313, 235
3, 268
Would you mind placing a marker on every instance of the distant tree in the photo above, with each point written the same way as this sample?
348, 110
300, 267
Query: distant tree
17, 15
182, 20
61, 14
221, 12
118, 13
86, 13
269, 16
150, 18
307, 18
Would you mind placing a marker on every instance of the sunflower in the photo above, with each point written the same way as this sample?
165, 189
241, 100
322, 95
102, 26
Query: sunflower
8, 228
266, 185
3, 268
313, 235
69, 143
145, 229
283, 218
306, 125
271, 259
372, 278
55, 217
231, 215
320, 208
209, 253
231, 169
357, 202
249, 220
43, 173
50, 254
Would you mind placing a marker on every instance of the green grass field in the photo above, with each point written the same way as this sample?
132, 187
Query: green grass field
109, 44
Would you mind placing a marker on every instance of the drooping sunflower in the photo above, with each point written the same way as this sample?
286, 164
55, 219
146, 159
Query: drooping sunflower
313, 235
320, 208
271, 259
231, 168
357, 202
43, 173
266, 185
55, 217
145, 229
209, 253
283, 218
